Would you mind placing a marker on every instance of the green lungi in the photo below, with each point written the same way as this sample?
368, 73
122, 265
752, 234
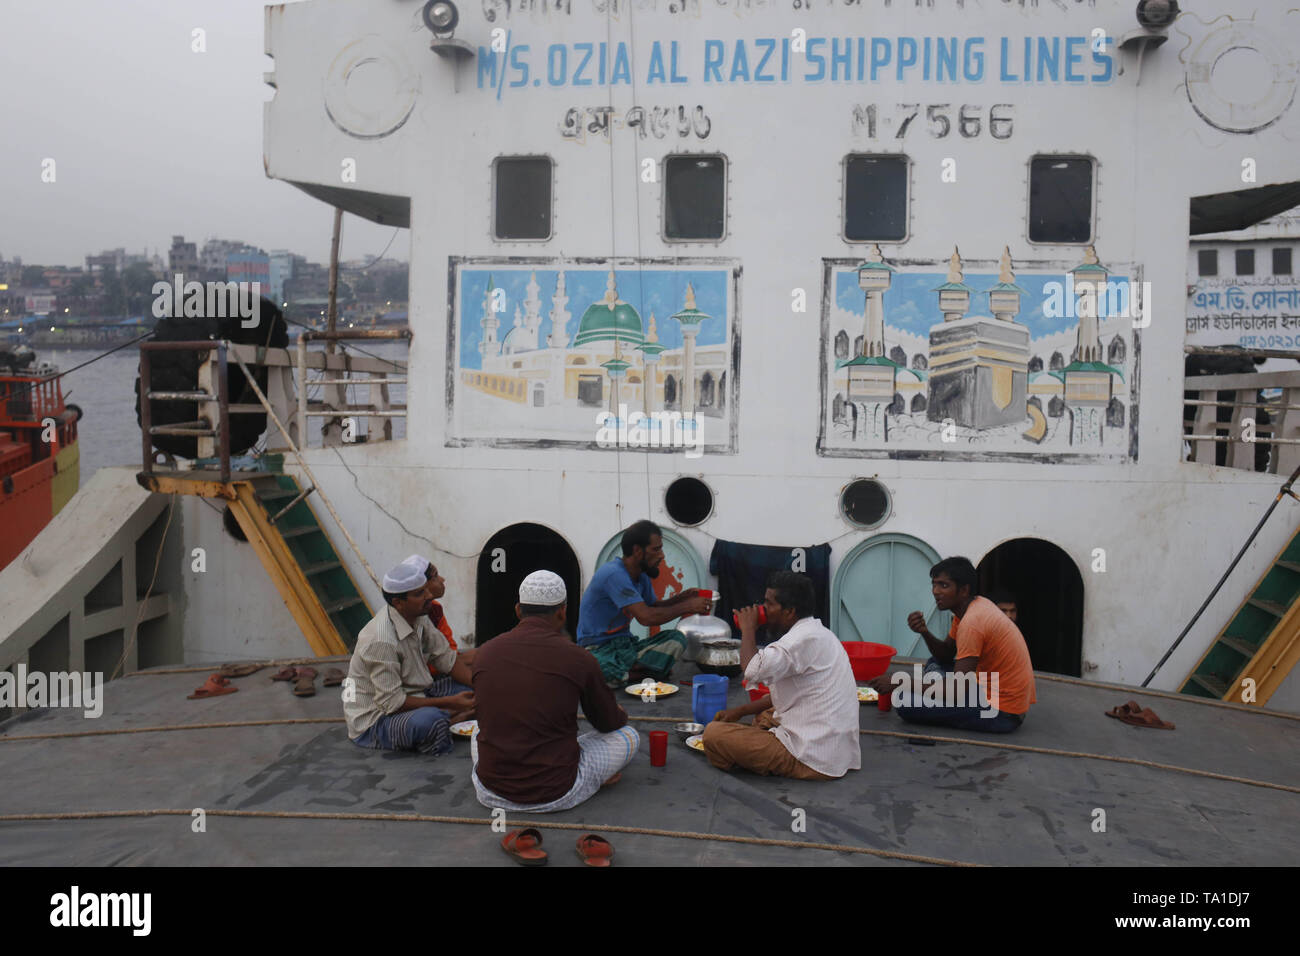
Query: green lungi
656, 653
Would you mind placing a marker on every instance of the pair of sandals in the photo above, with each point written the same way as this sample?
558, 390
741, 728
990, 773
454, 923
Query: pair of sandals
219, 683
522, 846
304, 679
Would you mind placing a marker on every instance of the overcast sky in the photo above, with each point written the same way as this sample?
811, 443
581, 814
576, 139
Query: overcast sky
149, 138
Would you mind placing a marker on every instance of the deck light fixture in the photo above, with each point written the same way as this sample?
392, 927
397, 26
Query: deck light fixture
441, 17
1157, 14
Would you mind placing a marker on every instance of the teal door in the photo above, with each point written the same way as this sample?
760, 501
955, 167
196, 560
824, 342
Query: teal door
878, 584
681, 569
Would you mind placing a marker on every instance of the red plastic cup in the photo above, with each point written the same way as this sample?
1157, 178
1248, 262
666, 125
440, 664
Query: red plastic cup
658, 748
758, 691
762, 616
883, 703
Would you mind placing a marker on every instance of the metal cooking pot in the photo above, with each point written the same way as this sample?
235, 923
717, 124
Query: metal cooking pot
702, 630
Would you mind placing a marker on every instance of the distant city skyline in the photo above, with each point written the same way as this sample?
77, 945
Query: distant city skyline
149, 138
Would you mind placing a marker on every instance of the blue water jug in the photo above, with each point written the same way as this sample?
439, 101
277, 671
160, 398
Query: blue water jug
708, 696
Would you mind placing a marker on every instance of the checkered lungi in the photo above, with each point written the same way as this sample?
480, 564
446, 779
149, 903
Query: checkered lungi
656, 653
423, 729
600, 757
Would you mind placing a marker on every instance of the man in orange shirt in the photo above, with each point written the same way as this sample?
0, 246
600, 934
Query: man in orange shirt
983, 642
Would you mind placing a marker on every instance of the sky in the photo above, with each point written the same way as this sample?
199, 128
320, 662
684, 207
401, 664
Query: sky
149, 138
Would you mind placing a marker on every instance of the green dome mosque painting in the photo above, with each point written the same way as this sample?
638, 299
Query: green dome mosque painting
610, 319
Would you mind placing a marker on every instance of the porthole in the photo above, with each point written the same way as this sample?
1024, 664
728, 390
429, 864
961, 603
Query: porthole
688, 501
865, 502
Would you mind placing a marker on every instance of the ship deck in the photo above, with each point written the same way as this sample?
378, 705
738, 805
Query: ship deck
301, 793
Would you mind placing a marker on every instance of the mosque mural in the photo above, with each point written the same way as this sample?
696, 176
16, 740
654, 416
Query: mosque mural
980, 360
597, 353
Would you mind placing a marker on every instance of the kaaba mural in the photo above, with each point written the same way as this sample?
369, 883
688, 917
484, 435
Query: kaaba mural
543, 350
980, 359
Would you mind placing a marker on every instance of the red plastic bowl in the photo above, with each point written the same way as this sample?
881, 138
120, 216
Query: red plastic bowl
868, 660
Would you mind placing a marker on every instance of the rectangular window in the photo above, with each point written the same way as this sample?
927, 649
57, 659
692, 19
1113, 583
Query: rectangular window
1245, 262
1207, 262
875, 198
1060, 199
1282, 261
522, 191
695, 197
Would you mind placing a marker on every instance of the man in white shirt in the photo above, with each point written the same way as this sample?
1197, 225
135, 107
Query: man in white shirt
807, 727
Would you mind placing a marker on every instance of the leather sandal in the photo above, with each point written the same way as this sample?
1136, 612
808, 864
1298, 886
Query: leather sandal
304, 684
595, 850
285, 673
522, 847
333, 677
240, 670
216, 686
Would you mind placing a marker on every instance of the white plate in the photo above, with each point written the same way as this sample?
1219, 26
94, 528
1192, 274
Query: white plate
465, 728
663, 690
867, 695
696, 742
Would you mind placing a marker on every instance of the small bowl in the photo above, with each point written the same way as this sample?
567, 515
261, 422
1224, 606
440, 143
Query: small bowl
688, 730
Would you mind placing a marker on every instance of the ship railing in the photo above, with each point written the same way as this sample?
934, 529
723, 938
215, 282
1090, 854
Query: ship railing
1244, 420
339, 374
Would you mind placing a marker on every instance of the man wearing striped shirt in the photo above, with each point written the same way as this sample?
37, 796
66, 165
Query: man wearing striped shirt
807, 727
391, 699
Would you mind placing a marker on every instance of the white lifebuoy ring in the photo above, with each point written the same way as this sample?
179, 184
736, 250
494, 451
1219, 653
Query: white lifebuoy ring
1236, 116
384, 102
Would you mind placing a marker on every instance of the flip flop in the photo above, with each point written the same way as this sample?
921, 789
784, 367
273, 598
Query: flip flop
240, 670
304, 685
215, 687
595, 850
522, 846
287, 673
1139, 716
333, 677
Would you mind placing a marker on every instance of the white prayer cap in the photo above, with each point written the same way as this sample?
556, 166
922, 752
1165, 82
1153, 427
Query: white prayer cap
543, 589
405, 577
419, 563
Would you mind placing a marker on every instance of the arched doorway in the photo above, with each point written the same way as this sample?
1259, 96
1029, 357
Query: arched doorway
1048, 591
511, 555
878, 584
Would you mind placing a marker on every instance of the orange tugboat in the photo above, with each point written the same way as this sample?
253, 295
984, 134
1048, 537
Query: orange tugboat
40, 464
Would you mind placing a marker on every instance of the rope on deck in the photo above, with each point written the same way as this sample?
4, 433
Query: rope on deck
995, 744
1170, 695
1059, 678
998, 745
480, 821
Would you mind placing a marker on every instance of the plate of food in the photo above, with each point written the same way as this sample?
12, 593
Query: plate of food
465, 728
696, 742
867, 695
654, 689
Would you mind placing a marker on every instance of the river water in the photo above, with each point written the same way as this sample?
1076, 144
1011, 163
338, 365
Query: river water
105, 390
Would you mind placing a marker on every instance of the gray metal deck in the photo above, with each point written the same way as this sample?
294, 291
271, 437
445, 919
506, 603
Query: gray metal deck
952, 801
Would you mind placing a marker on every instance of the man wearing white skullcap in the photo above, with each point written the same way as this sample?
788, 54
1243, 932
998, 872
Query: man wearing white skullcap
437, 588
391, 700
528, 685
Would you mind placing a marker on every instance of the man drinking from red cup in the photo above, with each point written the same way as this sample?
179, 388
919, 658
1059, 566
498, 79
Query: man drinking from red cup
807, 727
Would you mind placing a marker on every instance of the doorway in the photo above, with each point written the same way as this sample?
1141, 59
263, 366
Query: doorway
1048, 591
511, 555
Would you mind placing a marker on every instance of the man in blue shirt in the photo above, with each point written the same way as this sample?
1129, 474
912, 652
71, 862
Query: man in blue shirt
622, 591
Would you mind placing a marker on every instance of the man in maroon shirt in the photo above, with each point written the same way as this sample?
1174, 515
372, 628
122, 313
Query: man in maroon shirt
528, 686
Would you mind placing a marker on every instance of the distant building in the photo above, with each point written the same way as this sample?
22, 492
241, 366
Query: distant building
183, 257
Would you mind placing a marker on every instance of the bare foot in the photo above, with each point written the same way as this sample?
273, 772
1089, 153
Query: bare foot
612, 780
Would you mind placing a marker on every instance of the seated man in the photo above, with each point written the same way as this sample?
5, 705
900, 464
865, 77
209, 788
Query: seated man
437, 588
984, 644
622, 590
391, 700
528, 685
807, 728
